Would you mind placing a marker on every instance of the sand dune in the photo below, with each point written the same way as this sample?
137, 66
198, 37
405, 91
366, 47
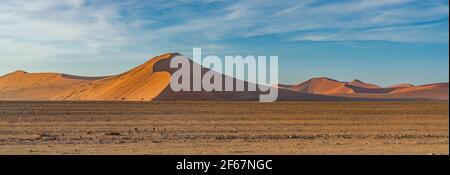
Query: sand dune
434, 91
359, 89
359, 83
405, 85
21, 85
283, 95
322, 85
328, 86
150, 81
138, 84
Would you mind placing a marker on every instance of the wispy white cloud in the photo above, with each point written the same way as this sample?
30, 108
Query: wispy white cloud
417, 33
243, 19
94, 29
63, 27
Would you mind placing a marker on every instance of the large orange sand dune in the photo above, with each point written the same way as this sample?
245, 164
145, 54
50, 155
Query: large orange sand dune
150, 81
140, 83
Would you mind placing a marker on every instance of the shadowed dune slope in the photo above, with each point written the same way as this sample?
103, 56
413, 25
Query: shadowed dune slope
246, 95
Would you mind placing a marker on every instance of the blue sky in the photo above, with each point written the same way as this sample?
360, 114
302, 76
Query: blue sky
378, 41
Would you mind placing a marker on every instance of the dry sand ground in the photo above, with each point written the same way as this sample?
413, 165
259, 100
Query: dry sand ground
223, 128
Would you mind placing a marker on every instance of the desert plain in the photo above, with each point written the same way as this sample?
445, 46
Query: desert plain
95, 127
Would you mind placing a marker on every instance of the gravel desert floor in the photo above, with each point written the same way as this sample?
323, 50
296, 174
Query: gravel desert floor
59, 127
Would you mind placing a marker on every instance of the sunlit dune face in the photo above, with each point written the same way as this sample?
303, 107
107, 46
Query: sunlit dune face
138, 84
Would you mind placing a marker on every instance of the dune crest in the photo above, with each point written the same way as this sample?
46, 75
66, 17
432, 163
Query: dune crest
138, 84
405, 85
359, 83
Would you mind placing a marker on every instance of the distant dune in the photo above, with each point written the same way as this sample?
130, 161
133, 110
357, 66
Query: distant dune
359, 83
322, 85
433, 91
359, 89
150, 82
401, 86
